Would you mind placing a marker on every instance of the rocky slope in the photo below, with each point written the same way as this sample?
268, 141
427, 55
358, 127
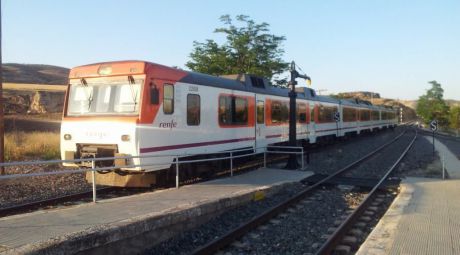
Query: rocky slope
24, 97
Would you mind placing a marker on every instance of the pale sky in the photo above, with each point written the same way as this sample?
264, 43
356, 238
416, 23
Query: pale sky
391, 47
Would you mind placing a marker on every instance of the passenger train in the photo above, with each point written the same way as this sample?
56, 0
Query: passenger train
155, 112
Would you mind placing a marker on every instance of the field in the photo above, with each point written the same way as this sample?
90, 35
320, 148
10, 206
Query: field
34, 87
35, 145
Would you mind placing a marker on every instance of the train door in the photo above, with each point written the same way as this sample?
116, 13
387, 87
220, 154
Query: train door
260, 131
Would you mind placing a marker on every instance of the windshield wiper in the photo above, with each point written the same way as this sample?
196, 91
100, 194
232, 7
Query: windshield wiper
90, 101
133, 94
90, 96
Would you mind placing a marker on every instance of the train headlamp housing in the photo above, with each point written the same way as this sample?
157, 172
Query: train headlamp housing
125, 138
67, 137
104, 70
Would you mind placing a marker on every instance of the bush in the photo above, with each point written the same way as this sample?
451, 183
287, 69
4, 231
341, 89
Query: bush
31, 145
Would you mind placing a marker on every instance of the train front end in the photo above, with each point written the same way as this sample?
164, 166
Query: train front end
102, 109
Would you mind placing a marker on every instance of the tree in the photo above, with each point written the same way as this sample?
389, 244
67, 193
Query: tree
249, 48
432, 105
454, 117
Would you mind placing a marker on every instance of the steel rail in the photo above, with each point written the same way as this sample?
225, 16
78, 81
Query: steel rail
245, 227
15, 209
47, 202
336, 237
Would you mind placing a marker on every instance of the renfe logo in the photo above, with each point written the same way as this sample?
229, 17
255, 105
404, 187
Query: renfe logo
169, 125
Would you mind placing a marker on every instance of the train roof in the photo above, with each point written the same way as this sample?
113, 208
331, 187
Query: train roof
240, 82
251, 83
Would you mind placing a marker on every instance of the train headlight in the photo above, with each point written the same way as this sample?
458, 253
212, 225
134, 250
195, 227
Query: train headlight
67, 137
125, 138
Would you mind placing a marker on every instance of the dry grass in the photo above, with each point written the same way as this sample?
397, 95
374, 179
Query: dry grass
34, 87
31, 145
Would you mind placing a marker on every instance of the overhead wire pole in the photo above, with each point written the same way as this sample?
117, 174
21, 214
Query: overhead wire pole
292, 162
2, 121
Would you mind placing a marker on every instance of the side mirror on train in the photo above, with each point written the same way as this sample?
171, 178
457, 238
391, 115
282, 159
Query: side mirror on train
154, 95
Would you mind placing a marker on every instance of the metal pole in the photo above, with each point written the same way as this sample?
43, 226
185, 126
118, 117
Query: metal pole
292, 162
93, 176
433, 143
177, 172
337, 128
2, 121
231, 163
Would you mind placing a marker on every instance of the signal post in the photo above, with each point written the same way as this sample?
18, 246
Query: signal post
292, 162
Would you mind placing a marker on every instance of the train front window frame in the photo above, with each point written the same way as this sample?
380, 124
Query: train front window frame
104, 98
168, 98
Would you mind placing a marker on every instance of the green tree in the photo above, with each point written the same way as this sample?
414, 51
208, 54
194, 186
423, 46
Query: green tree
454, 117
248, 48
432, 105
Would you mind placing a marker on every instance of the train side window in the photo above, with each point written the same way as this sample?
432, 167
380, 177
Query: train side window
225, 110
364, 115
326, 113
301, 113
260, 112
349, 114
375, 115
193, 110
168, 99
241, 111
312, 112
280, 112
233, 110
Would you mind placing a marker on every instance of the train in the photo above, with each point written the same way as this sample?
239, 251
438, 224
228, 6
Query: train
148, 115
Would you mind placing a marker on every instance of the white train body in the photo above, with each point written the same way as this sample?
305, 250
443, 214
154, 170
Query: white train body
137, 108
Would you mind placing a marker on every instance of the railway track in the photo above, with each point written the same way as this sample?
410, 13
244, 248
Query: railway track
111, 192
338, 236
287, 206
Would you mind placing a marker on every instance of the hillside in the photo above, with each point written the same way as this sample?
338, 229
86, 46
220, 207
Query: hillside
407, 105
35, 74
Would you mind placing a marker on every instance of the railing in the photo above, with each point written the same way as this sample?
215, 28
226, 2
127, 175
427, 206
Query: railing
231, 156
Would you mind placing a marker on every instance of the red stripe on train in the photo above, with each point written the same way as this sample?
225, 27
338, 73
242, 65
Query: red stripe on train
191, 145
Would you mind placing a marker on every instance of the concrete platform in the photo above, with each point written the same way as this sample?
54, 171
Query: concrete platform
127, 224
451, 161
423, 219
425, 216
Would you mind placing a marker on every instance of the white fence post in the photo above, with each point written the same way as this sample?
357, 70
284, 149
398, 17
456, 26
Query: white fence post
443, 167
231, 163
302, 158
93, 175
177, 172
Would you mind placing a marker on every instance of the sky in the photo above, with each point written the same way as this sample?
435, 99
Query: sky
391, 47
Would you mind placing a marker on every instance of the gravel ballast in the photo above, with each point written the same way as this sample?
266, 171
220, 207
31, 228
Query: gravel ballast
301, 230
322, 209
30, 189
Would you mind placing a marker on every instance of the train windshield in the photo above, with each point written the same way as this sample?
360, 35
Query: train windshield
104, 98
